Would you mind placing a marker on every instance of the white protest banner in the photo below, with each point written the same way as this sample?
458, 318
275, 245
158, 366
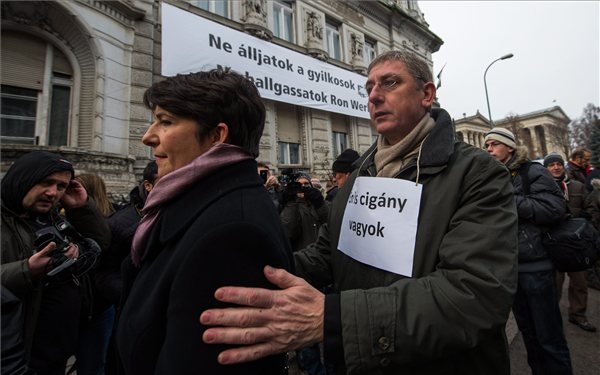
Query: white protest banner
380, 223
191, 43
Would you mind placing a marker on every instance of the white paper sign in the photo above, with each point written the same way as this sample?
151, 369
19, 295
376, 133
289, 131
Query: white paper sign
191, 43
380, 223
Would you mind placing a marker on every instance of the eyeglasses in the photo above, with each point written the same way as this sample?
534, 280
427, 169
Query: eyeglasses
387, 84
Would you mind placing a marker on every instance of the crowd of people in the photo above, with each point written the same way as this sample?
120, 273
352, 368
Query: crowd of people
409, 260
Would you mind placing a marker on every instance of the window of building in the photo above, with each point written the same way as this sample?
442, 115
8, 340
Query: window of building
288, 153
369, 51
333, 39
340, 142
220, 7
288, 134
339, 133
35, 109
283, 25
18, 107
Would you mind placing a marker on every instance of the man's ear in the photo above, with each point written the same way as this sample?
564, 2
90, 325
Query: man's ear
221, 133
429, 94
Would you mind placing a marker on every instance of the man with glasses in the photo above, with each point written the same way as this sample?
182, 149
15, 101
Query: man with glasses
342, 166
540, 204
420, 247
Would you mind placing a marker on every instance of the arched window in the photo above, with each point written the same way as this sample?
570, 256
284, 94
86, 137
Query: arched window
36, 91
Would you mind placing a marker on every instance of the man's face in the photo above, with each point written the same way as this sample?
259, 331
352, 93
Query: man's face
340, 178
556, 169
47, 193
585, 160
499, 150
396, 101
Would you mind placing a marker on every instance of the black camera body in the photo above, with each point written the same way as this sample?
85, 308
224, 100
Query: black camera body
62, 233
56, 233
287, 177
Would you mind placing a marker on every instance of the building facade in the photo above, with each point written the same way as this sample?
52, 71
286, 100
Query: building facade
542, 131
74, 72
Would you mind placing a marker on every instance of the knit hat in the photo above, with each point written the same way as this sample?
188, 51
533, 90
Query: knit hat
306, 176
553, 157
26, 172
502, 135
344, 161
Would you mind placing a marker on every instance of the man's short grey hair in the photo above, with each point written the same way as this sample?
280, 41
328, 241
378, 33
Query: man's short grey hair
416, 66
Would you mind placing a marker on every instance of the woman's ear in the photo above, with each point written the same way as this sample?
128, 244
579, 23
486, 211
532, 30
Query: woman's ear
221, 133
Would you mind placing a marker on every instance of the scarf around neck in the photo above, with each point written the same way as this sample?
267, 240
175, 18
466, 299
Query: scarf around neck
175, 183
390, 159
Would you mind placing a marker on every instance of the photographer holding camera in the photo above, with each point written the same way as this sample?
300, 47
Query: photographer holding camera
271, 183
304, 210
44, 256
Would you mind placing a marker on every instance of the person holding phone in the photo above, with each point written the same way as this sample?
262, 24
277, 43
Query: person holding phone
271, 184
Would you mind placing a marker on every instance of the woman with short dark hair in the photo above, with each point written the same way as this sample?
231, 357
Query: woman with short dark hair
208, 222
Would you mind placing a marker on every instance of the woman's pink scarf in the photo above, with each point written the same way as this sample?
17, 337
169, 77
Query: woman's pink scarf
173, 184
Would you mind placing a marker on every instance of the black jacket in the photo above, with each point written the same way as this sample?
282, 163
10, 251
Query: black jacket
222, 231
540, 206
122, 224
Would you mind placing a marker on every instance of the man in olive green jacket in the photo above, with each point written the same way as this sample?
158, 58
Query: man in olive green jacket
33, 190
447, 316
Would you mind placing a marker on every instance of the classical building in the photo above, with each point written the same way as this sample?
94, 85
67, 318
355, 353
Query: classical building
73, 73
542, 131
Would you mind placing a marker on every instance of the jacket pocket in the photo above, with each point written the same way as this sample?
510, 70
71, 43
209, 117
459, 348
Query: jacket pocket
531, 248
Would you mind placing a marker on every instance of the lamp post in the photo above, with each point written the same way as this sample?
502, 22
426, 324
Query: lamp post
487, 98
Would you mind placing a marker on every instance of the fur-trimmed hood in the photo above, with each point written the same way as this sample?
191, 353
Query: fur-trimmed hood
519, 157
596, 183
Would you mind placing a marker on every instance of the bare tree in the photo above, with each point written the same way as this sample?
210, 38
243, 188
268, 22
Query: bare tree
581, 128
560, 136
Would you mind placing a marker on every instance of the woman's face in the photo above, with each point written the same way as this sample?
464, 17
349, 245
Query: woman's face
174, 141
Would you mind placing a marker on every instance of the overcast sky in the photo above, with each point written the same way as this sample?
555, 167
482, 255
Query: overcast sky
556, 47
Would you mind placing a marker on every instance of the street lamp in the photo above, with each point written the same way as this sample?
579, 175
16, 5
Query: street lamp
507, 56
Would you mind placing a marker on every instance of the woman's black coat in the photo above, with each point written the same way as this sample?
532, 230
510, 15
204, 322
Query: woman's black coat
221, 232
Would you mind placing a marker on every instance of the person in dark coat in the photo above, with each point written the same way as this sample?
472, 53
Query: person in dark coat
35, 189
575, 194
540, 204
577, 166
379, 319
123, 224
304, 211
208, 222
342, 167
108, 278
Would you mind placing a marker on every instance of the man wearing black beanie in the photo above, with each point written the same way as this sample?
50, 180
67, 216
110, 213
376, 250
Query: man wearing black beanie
575, 194
32, 190
342, 167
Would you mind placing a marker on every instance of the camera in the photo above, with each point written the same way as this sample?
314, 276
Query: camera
287, 176
62, 233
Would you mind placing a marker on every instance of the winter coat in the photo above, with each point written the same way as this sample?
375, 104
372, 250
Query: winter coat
449, 317
540, 208
577, 197
592, 203
301, 221
17, 246
122, 224
222, 231
576, 172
